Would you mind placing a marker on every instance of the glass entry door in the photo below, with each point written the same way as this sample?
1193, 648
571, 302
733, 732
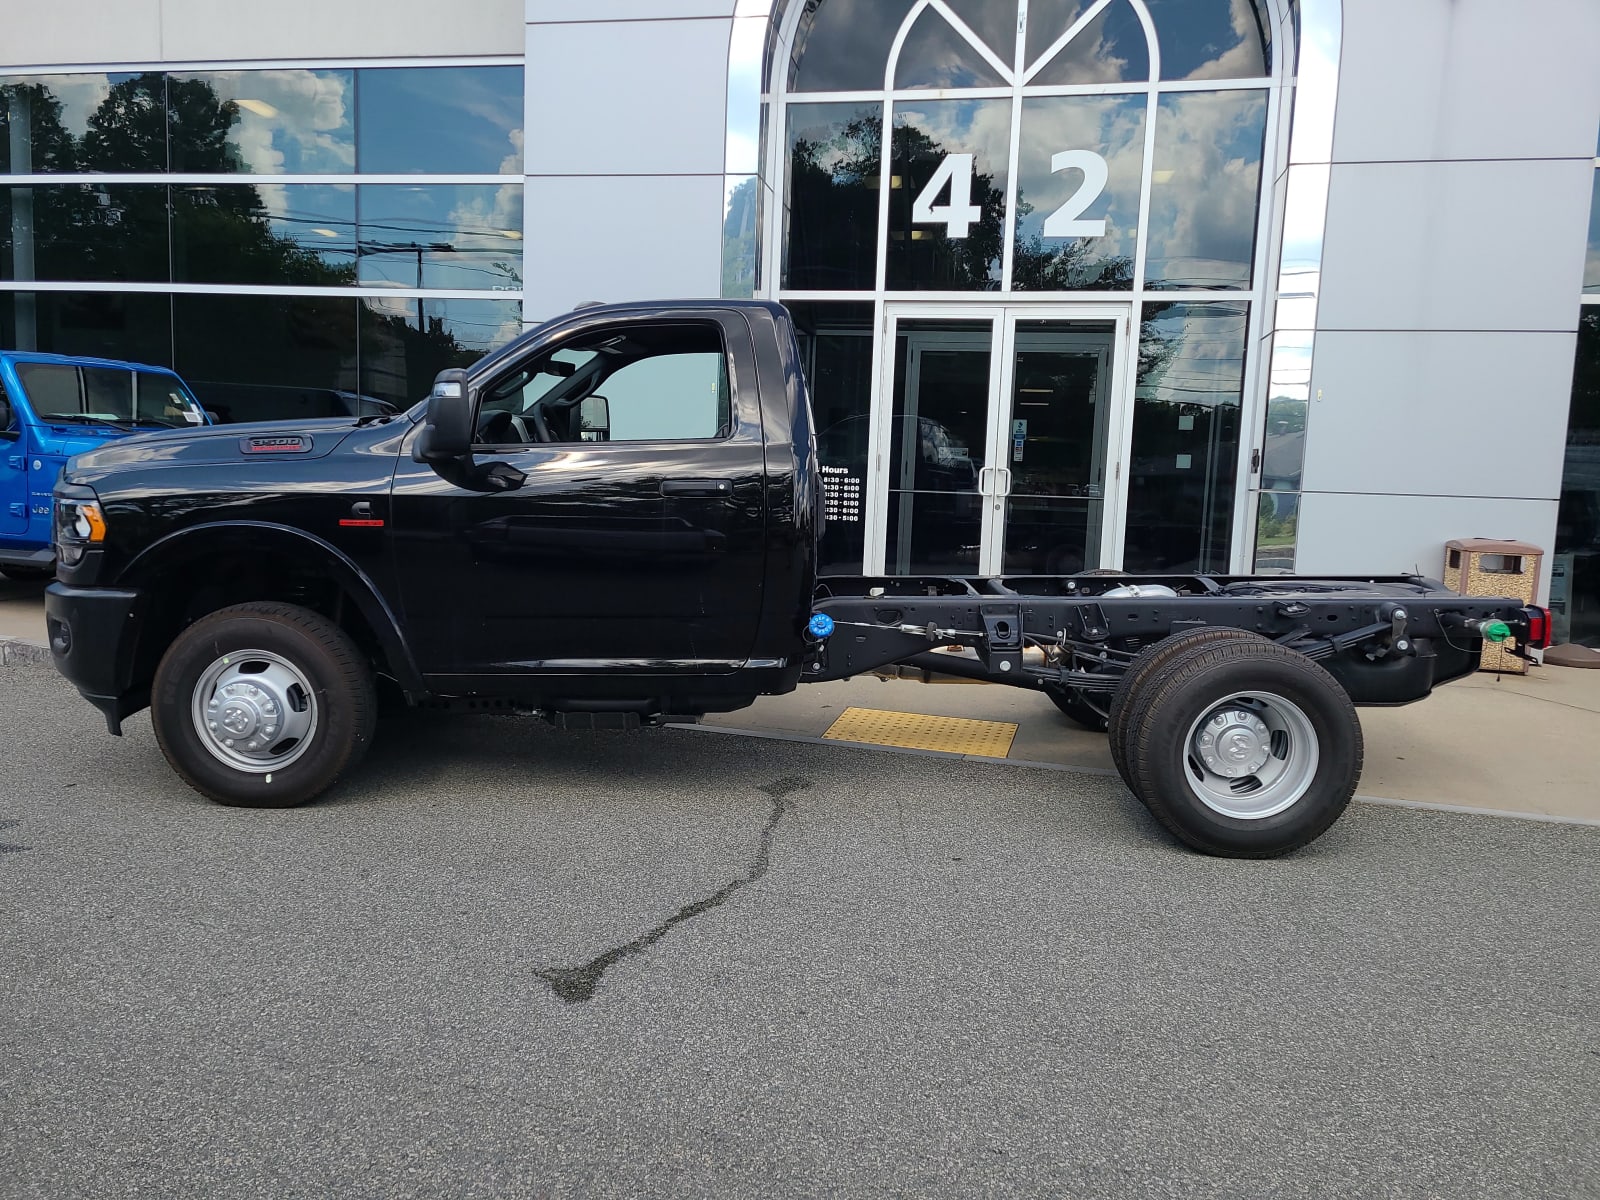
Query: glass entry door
997, 433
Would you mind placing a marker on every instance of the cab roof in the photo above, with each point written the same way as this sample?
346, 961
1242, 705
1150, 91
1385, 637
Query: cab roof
78, 360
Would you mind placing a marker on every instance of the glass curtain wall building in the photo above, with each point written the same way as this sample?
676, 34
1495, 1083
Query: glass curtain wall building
1027, 246
290, 239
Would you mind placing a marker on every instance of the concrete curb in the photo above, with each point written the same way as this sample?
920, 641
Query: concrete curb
21, 650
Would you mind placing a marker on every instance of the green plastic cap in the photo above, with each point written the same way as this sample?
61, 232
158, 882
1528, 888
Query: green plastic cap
1496, 631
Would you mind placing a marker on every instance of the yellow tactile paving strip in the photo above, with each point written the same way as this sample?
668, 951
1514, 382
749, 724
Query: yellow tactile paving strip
919, 731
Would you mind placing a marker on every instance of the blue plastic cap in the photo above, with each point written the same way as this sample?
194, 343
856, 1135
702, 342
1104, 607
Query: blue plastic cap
820, 626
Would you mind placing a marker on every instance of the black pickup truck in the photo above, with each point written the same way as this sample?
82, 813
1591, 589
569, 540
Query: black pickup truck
613, 521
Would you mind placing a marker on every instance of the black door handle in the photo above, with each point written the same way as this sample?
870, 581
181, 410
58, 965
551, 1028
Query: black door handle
697, 487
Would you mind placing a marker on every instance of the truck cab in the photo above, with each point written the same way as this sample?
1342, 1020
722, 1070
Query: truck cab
53, 407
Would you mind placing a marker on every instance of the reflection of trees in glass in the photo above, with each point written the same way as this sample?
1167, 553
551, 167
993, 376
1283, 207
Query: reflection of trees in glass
1074, 265
739, 229
833, 207
933, 259
1180, 516
121, 231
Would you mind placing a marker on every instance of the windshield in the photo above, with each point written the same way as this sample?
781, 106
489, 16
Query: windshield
119, 396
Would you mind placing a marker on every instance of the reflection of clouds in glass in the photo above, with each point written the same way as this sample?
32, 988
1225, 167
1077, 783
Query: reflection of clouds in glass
1111, 48
288, 120
80, 96
934, 55
1210, 39
1203, 200
745, 47
1111, 126
980, 127
457, 236
843, 45
1193, 353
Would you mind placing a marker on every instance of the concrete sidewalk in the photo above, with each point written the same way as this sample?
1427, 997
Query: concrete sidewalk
1528, 745
1521, 744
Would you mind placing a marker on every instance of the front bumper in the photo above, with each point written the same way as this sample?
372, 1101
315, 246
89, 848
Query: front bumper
94, 634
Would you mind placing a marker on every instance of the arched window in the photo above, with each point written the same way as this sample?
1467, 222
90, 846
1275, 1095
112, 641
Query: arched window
1029, 145
1031, 232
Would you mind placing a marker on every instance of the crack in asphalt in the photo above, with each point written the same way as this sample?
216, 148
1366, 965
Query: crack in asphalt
576, 985
8, 847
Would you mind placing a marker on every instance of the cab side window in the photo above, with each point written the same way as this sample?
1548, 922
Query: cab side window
669, 397
637, 383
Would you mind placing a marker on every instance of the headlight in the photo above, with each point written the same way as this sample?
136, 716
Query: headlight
79, 524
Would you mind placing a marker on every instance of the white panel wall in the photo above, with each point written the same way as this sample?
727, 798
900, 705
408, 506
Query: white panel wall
613, 238
136, 31
626, 121
79, 31
1391, 535
1457, 217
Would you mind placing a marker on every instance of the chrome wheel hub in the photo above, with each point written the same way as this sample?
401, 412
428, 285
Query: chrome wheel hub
1251, 755
254, 710
1235, 743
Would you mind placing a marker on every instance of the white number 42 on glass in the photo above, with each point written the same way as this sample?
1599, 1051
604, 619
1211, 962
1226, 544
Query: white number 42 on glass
961, 214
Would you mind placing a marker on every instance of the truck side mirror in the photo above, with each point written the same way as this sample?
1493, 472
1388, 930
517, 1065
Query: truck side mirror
6, 432
447, 429
594, 419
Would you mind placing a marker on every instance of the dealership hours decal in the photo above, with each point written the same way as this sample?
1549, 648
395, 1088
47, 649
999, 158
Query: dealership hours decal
841, 492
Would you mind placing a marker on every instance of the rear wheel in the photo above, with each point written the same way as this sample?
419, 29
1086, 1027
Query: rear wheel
263, 705
1149, 661
1244, 748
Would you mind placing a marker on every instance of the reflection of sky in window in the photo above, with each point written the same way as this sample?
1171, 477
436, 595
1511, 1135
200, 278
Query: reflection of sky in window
1197, 352
995, 21
441, 235
1111, 126
1204, 192
742, 153
934, 55
1591, 266
1111, 48
471, 117
479, 325
289, 121
319, 217
1211, 39
844, 45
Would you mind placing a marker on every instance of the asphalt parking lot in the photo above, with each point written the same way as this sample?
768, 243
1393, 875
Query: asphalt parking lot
505, 961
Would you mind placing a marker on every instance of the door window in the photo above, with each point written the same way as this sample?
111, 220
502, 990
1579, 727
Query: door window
645, 383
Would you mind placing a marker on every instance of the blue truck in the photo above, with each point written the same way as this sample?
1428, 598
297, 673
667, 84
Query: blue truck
53, 407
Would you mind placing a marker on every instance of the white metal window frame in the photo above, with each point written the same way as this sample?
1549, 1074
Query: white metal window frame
180, 179
1306, 52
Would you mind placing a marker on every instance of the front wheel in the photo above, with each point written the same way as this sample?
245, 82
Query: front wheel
263, 705
1244, 748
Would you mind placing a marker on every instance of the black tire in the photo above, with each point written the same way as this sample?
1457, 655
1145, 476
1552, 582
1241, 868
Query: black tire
341, 690
1167, 767
1150, 660
1077, 709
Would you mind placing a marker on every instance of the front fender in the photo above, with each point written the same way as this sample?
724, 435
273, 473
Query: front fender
183, 549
